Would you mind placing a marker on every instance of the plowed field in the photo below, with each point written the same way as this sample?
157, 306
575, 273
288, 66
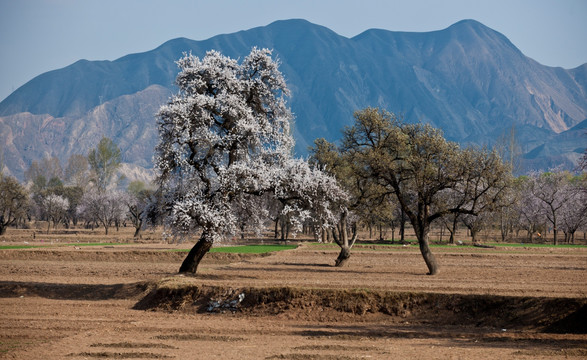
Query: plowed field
126, 302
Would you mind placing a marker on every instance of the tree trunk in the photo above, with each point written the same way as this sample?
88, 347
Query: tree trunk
505, 229
2, 228
343, 240
473, 235
451, 238
402, 226
429, 258
452, 231
191, 262
343, 257
284, 230
276, 230
138, 229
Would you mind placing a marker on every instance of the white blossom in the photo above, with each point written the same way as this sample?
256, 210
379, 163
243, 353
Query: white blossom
225, 150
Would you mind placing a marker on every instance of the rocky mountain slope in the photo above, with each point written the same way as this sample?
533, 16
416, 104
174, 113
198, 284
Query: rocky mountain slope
468, 79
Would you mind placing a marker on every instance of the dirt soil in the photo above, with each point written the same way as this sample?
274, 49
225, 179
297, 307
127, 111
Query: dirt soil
127, 302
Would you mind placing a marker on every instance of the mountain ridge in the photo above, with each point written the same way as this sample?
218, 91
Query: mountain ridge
467, 79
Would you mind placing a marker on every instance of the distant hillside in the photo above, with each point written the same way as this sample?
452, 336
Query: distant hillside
468, 79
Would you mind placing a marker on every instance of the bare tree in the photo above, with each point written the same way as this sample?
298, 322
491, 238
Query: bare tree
55, 209
104, 160
136, 200
13, 202
509, 218
550, 189
574, 210
74, 195
416, 164
47, 168
104, 208
77, 171
529, 207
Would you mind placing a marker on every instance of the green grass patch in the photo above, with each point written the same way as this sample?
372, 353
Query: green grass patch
10, 247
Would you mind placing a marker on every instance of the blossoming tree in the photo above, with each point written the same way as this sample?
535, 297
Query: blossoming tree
225, 151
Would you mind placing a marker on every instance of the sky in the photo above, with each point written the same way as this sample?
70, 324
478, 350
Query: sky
37, 36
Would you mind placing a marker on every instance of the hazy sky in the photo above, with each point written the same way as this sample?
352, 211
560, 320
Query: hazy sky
41, 35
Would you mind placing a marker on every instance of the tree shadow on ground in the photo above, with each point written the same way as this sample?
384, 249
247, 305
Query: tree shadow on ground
72, 291
465, 336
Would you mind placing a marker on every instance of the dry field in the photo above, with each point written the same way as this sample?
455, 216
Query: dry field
126, 302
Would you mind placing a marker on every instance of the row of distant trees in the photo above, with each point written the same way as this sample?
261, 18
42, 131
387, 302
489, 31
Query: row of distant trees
224, 165
86, 192
538, 208
397, 172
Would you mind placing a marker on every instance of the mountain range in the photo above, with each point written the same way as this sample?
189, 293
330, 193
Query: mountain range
467, 79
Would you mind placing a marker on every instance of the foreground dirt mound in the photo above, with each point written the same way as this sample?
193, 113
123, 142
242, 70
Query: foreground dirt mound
558, 315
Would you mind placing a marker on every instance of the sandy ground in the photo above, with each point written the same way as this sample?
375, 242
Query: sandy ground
77, 303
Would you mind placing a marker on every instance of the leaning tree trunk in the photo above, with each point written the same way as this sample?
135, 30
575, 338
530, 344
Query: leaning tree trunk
191, 262
343, 256
138, 227
342, 239
473, 232
429, 258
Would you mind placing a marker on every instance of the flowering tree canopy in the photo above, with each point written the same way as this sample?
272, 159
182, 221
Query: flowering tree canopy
225, 145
